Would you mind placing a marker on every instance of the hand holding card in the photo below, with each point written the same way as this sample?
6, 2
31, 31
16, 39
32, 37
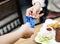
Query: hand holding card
30, 20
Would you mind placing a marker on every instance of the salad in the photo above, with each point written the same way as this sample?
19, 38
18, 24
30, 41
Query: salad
46, 33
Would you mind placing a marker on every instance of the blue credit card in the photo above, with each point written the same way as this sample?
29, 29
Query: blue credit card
31, 21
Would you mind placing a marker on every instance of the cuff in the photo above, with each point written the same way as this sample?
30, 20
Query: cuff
40, 1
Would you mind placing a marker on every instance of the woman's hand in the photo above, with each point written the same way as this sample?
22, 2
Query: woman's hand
26, 30
34, 11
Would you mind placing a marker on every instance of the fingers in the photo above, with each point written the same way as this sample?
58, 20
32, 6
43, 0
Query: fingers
29, 11
41, 15
33, 12
37, 16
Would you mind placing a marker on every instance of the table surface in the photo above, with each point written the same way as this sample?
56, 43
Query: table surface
31, 39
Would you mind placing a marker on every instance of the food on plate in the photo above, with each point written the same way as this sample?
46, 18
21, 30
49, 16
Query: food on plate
49, 29
54, 25
46, 34
44, 39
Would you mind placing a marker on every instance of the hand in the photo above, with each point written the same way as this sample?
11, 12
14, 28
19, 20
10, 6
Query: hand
34, 11
26, 30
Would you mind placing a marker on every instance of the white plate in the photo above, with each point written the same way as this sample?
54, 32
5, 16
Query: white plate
37, 39
52, 41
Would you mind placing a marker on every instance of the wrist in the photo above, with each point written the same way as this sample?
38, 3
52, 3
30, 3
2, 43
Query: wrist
37, 4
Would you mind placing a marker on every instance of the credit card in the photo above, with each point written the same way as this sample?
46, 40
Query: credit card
31, 21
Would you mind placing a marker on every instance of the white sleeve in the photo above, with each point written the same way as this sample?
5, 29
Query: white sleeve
41, 2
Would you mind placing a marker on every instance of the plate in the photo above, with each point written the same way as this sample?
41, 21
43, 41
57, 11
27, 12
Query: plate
39, 41
51, 38
52, 41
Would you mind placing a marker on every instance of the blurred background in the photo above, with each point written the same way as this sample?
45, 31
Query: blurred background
12, 14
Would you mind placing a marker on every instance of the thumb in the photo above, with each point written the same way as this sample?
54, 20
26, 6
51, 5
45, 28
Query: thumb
41, 15
38, 16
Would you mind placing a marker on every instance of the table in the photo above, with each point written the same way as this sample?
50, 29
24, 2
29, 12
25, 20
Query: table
31, 39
